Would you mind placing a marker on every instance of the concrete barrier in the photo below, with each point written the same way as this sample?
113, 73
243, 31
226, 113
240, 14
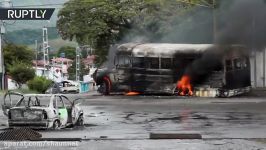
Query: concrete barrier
174, 136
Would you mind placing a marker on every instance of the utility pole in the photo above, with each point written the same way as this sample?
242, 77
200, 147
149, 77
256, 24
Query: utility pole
45, 48
253, 29
77, 63
36, 48
4, 4
2, 69
264, 68
214, 16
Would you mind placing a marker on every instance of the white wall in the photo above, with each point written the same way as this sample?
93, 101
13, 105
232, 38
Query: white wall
50, 74
258, 70
11, 84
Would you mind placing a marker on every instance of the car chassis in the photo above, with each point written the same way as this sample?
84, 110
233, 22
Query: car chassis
29, 111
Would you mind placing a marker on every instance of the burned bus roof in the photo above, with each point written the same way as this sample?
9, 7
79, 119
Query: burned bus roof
165, 49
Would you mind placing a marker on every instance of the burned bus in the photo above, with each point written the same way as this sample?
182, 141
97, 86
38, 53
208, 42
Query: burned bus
204, 70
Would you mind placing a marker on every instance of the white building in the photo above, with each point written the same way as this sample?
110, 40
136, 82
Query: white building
57, 70
53, 73
258, 70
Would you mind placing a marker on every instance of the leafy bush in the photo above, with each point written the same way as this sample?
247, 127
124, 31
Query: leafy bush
21, 72
39, 84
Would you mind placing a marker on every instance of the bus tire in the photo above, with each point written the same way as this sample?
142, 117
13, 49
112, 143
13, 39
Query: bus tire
105, 87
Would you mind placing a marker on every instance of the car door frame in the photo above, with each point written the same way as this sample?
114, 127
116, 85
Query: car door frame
74, 113
5, 106
58, 110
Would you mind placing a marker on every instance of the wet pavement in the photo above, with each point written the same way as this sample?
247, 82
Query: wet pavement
125, 120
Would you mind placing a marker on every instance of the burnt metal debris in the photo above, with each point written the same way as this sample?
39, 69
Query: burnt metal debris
41, 111
204, 70
20, 134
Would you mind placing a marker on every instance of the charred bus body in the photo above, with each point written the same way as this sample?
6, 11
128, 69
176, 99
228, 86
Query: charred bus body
204, 70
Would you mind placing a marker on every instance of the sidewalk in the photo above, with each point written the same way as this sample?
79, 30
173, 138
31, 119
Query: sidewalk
257, 92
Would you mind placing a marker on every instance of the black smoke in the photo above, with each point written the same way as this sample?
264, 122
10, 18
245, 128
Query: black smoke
242, 22
209, 61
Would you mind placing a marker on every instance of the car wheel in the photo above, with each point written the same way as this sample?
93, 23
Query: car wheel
56, 124
80, 121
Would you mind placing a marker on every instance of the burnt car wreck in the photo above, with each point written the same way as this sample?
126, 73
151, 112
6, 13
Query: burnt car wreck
204, 70
41, 111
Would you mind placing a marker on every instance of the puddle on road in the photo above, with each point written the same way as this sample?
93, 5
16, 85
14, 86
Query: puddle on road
127, 117
206, 119
178, 118
90, 125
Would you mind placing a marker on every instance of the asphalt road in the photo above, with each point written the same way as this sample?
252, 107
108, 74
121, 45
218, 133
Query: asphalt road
117, 122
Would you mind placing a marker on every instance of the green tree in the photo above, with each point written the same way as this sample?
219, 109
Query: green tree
21, 72
13, 53
96, 21
72, 71
105, 22
70, 52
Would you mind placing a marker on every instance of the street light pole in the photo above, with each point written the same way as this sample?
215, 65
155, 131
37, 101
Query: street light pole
36, 49
2, 70
78, 64
214, 21
4, 4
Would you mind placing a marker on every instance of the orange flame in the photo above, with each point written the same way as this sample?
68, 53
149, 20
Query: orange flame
184, 87
132, 93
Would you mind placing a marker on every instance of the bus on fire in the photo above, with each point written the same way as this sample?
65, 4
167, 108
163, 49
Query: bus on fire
204, 70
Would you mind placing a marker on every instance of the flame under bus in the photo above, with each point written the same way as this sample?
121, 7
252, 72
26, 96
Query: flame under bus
204, 70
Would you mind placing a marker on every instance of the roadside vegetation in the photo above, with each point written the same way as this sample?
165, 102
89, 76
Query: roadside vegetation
102, 23
39, 84
21, 72
18, 64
